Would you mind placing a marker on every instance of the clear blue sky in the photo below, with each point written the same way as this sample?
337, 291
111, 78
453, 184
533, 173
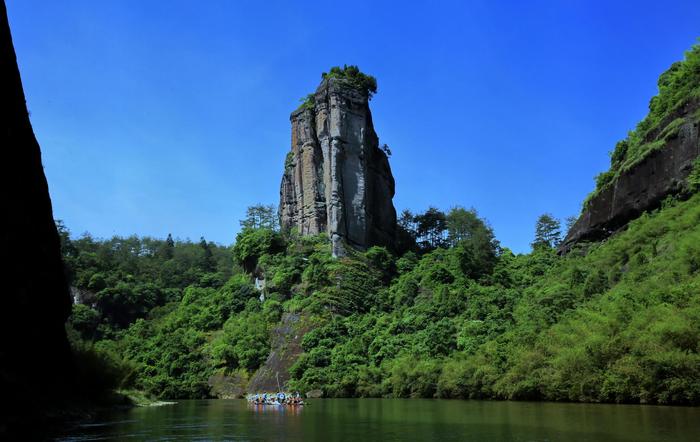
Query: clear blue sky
173, 116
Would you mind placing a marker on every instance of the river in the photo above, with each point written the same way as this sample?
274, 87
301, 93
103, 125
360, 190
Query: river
367, 420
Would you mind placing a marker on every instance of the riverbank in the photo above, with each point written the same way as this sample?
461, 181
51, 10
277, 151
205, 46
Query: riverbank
35, 418
138, 398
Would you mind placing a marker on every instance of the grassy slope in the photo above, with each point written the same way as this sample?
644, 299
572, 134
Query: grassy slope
636, 341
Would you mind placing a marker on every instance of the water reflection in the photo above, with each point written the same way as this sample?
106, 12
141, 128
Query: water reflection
292, 410
395, 420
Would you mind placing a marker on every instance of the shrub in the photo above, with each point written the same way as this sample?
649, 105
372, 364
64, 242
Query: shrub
364, 83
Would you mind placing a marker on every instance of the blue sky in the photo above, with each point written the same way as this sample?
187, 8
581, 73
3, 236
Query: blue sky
160, 117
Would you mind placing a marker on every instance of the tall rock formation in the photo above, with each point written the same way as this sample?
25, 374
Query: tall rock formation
35, 358
336, 179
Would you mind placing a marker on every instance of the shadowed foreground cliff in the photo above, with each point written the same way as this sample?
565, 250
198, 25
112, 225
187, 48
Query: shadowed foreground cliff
336, 179
34, 352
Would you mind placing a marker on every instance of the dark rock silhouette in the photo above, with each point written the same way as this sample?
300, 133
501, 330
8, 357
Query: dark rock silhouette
336, 179
644, 186
35, 358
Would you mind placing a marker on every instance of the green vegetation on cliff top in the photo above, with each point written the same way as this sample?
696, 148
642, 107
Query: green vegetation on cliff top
350, 75
366, 84
678, 86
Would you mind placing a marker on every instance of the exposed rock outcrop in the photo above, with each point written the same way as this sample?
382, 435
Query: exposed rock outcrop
644, 186
34, 352
336, 179
227, 387
286, 348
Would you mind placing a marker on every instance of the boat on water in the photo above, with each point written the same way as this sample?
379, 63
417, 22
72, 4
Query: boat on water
280, 399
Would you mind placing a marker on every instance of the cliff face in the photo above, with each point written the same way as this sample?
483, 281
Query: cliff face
642, 187
286, 348
336, 179
34, 351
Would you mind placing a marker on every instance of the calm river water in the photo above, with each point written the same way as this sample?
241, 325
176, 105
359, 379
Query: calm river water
367, 420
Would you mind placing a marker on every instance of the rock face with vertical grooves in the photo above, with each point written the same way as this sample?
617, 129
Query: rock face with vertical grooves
336, 179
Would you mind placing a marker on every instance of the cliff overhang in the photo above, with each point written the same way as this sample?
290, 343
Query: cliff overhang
644, 186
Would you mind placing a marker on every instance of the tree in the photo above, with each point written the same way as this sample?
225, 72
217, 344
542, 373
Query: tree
406, 233
547, 232
67, 247
473, 240
167, 248
251, 244
208, 263
84, 320
380, 259
386, 150
261, 216
570, 221
407, 222
461, 224
431, 228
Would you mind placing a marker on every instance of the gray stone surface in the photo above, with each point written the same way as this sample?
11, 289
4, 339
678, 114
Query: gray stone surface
336, 179
285, 350
643, 187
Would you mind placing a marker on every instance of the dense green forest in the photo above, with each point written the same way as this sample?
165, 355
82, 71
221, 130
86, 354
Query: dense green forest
448, 313
617, 321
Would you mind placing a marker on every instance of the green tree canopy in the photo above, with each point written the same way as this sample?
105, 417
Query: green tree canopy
261, 216
547, 232
354, 77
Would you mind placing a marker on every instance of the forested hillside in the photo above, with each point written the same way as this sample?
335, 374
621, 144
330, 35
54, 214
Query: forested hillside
618, 321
